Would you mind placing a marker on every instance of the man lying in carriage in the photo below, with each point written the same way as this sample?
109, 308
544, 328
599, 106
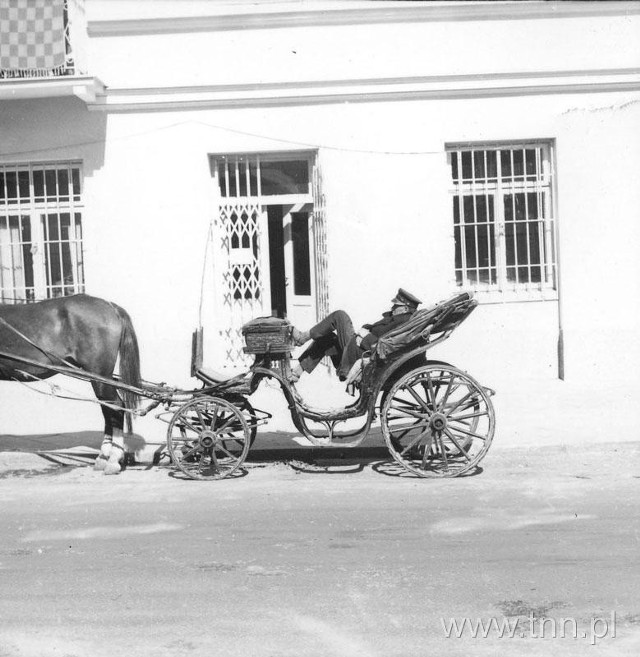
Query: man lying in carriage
334, 336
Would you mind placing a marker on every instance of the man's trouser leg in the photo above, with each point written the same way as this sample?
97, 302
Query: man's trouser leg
330, 337
337, 322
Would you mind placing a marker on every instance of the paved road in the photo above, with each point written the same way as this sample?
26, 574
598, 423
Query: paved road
325, 558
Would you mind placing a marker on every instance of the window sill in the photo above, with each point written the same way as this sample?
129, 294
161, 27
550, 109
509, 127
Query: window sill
523, 295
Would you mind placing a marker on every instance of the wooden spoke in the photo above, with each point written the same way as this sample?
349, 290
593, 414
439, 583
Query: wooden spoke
409, 411
443, 451
470, 433
406, 431
191, 452
224, 426
459, 402
457, 444
400, 400
419, 399
434, 393
468, 417
214, 461
222, 448
413, 443
203, 422
427, 450
214, 418
450, 389
185, 422
462, 407
417, 425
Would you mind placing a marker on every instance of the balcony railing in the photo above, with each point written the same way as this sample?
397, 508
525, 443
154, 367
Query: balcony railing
20, 57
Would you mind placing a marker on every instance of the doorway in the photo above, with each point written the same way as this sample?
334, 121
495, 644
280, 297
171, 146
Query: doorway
271, 237
291, 283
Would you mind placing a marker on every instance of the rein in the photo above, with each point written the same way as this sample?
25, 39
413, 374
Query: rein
55, 391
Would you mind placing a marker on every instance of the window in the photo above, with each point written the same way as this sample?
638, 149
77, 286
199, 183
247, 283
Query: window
252, 175
502, 217
40, 232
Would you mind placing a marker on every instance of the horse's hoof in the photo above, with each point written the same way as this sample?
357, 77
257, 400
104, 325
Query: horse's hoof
112, 468
100, 463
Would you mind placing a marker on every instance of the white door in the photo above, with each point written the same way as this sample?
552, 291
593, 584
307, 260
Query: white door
298, 259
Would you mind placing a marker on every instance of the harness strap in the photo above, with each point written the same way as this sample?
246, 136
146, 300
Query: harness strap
56, 391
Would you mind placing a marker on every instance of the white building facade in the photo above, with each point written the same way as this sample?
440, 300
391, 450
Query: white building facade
215, 161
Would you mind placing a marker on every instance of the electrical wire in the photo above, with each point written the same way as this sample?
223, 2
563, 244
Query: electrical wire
281, 140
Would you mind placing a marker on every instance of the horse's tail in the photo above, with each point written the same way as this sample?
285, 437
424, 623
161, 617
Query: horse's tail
129, 363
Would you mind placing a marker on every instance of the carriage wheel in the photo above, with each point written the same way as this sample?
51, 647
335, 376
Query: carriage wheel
438, 421
208, 438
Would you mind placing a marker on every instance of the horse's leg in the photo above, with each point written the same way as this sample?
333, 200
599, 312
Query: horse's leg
116, 457
111, 455
105, 448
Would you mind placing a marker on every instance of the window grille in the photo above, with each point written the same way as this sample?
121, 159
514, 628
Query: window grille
502, 217
40, 232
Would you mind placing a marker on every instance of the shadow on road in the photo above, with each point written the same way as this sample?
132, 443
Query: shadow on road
46, 442
392, 469
66, 449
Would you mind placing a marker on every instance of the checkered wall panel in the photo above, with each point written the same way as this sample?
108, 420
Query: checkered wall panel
31, 34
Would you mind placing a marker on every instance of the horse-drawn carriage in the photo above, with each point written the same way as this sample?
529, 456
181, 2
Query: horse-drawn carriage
437, 421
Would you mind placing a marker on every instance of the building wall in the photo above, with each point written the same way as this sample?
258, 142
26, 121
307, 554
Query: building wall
149, 199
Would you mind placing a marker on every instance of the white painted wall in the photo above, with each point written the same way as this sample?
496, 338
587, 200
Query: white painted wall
351, 52
148, 189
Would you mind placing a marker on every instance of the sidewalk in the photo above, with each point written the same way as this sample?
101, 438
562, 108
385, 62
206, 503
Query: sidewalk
540, 413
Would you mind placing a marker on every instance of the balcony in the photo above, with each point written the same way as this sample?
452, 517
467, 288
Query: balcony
41, 52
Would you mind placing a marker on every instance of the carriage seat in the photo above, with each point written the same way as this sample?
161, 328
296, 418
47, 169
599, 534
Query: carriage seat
213, 377
441, 318
207, 375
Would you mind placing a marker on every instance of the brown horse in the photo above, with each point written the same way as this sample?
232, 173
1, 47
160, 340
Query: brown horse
77, 331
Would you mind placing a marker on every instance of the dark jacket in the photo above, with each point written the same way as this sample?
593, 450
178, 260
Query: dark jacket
388, 322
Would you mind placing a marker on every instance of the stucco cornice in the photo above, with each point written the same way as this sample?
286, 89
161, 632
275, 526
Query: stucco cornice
368, 90
84, 87
419, 12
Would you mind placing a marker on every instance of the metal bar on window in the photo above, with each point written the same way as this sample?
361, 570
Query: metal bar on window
236, 176
513, 216
475, 217
60, 253
259, 175
526, 219
463, 239
489, 225
500, 230
227, 178
21, 256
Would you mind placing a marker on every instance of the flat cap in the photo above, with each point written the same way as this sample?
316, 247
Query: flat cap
406, 298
